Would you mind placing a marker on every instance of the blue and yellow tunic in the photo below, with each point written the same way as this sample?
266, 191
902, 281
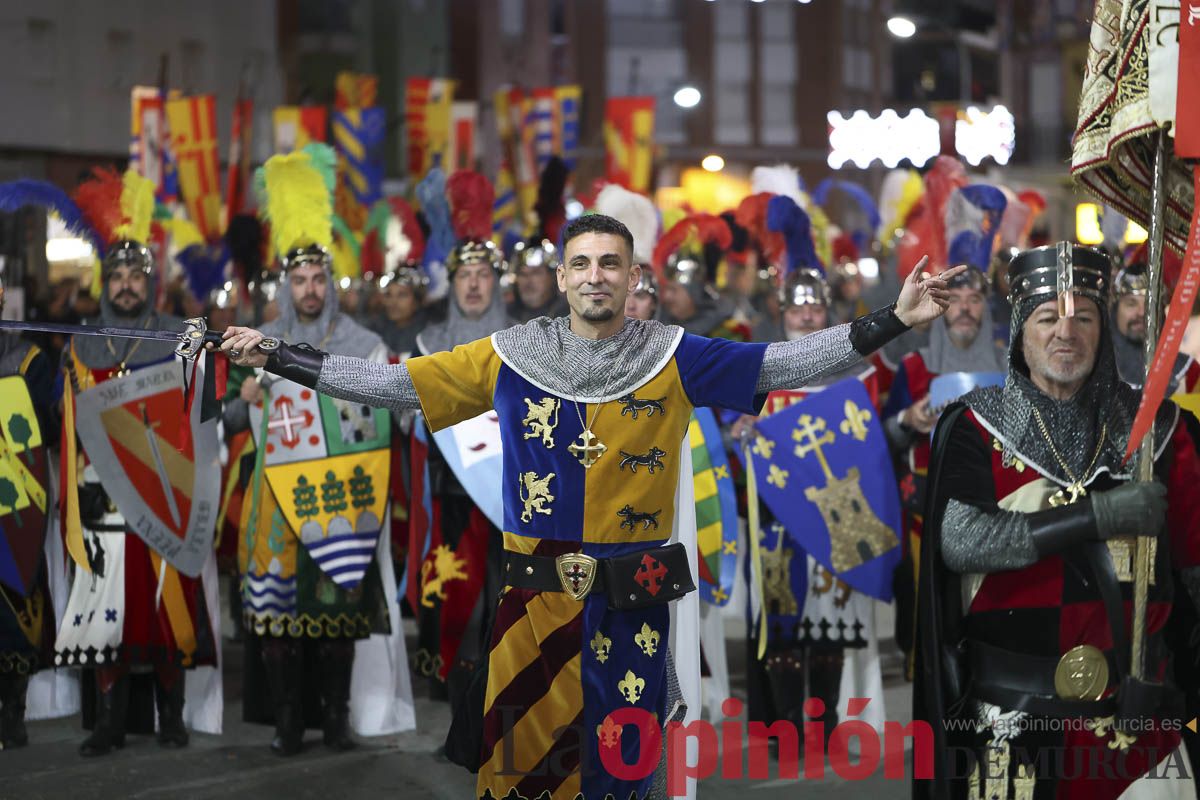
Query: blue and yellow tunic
549, 651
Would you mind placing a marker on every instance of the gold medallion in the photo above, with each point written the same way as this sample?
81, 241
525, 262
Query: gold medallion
585, 451
576, 573
1082, 674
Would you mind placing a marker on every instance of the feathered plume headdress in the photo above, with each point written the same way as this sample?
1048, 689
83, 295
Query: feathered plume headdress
680, 251
636, 212
786, 217
862, 236
296, 197
471, 196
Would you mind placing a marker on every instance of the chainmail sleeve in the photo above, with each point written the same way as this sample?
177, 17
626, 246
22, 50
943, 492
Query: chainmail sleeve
790, 365
381, 385
977, 535
976, 539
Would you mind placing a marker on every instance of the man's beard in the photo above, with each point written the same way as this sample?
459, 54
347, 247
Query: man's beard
133, 312
597, 313
961, 338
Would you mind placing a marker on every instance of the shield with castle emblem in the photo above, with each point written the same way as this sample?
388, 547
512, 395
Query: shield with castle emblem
327, 462
824, 470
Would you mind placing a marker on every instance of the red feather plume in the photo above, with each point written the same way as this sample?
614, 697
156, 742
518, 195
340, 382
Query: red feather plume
751, 214
671, 241
844, 248
714, 230
99, 198
403, 211
470, 196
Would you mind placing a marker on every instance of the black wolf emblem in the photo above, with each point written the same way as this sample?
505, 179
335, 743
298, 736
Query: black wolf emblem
651, 460
631, 518
634, 405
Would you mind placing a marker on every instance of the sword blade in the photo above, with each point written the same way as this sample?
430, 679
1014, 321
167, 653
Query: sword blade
91, 330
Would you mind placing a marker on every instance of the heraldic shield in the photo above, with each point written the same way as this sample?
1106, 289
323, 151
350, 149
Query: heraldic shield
23, 483
823, 468
327, 463
161, 472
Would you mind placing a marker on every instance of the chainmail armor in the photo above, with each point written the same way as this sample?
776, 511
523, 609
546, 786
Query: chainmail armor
383, 385
979, 540
549, 355
791, 365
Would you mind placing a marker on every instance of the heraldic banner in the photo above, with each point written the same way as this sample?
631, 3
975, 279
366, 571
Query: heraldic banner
327, 462
823, 469
163, 476
23, 482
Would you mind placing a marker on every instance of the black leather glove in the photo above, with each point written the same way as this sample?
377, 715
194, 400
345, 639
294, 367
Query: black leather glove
1057, 529
1131, 509
872, 331
300, 363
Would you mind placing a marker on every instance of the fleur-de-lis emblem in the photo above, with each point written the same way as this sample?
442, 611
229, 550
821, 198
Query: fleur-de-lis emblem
777, 477
631, 687
647, 639
855, 423
763, 447
601, 646
609, 733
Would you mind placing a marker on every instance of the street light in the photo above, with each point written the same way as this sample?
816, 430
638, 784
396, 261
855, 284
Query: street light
901, 27
713, 163
687, 97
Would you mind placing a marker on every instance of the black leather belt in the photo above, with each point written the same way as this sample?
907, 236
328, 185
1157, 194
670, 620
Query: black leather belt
634, 580
1024, 682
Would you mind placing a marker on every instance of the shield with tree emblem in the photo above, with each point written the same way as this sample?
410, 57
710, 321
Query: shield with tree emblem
327, 462
23, 483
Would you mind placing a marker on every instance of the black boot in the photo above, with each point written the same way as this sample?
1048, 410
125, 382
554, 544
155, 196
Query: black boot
12, 715
109, 731
284, 661
171, 732
337, 661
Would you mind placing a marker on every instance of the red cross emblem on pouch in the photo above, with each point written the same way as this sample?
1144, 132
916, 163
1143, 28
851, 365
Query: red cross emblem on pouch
288, 422
650, 574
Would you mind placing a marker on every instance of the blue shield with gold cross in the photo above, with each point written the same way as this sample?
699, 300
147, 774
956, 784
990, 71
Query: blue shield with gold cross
824, 470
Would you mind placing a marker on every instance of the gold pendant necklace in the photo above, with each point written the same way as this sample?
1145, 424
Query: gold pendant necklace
1074, 490
583, 447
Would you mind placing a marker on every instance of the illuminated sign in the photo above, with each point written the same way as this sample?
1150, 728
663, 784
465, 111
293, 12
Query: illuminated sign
890, 138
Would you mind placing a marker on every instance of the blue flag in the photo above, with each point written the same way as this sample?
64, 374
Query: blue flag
824, 471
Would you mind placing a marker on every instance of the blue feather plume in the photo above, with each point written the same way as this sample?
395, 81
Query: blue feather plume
859, 195
203, 267
786, 217
15, 195
431, 193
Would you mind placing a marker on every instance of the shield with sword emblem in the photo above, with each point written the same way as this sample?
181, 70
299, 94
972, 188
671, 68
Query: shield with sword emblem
160, 469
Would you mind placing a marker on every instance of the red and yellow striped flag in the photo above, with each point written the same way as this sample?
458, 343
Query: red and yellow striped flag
629, 141
296, 126
193, 125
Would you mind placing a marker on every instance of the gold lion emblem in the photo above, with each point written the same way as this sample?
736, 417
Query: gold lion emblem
539, 419
535, 494
436, 573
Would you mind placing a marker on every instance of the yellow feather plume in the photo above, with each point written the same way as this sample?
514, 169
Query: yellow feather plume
298, 202
345, 260
912, 190
137, 207
183, 233
822, 241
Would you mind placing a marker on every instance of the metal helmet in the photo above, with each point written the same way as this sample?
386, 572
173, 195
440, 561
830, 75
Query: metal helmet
406, 275
970, 278
534, 253
471, 252
127, 252
804, 287
1131, 280
310, 254
1048, 271
647, 284
686, 270
225, 296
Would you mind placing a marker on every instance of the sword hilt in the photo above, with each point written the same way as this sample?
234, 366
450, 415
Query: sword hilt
197, 335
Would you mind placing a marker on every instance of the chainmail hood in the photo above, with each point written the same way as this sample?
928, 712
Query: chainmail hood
101, 352
549, 355
332, 331
1104, 401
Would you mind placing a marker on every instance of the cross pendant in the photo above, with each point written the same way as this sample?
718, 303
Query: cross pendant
1067, 496
585, 451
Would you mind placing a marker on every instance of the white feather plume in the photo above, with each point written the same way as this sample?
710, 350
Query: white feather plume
779, 179
634, 211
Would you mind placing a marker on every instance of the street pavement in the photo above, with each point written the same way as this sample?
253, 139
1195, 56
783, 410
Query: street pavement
238, 764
